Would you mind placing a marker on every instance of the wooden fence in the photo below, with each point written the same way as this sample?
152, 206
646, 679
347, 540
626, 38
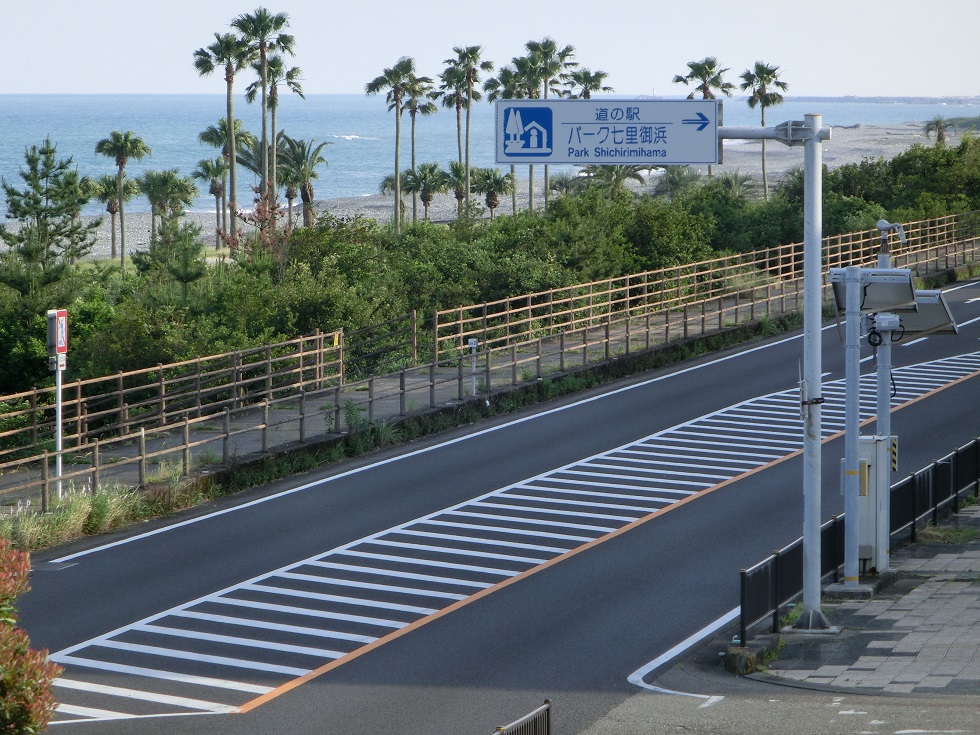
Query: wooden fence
264, 391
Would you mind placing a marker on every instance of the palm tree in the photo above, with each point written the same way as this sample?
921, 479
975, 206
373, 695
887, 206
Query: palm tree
396, 80
552, 66
418, 102
612, 179
218, 137
456, 182
938, 125
739, 185
452, 91
492, 183
674, 180
565, 182
262, 32
707, 77
583, 82
760, 81
468, 62
426, 180
510, 85
303, 158
389, 185
287, 177
213, 171
122, 146
276, 74
104, 189
168, 192
230, 52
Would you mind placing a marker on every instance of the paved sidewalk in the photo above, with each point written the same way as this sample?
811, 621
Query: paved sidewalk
920, 634
905, 661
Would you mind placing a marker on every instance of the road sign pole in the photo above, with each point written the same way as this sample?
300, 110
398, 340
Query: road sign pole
852, 424
813, 134
57, 352
57, 428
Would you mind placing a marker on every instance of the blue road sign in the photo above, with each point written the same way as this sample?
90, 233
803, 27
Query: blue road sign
604, 131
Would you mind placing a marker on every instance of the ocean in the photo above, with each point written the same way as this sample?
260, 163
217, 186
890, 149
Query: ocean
360, 130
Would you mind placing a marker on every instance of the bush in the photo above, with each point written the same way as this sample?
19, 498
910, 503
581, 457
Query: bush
26, 702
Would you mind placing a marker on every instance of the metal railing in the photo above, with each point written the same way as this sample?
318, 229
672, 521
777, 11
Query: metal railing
537, 722
923, 497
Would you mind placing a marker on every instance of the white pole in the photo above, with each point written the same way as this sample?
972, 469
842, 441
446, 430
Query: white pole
812, 618
852, 423
884, 429
57, 427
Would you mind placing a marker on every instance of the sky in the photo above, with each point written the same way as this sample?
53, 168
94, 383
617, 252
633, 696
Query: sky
831, 48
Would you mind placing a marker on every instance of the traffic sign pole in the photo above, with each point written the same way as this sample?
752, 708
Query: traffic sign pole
57, 357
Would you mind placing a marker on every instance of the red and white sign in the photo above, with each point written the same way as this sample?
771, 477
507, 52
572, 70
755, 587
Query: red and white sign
57, 332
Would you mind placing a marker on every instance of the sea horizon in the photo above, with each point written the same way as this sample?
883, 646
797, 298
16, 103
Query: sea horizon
359, 129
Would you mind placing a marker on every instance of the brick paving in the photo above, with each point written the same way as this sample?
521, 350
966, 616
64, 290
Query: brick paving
919, 634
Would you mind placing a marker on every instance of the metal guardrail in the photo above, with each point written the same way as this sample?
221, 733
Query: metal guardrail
925, 496
537, 722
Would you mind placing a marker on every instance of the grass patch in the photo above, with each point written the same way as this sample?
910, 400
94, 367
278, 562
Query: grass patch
946, 535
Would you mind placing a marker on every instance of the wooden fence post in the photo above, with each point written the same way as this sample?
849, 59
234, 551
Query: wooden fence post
226, 435
162, 395
45, 478
401, 392
96, 462
432, 385
302, 416
265, 425
142, 462
186, 454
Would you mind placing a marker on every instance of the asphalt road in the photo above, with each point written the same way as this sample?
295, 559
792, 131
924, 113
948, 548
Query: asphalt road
571, 630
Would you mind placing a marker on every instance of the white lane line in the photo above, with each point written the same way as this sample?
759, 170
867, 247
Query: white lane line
914, 342
293, 610
610, 496
205, 681
640, 473
485, 541
238, 663
653, 466
88, 686
656, 484
637, 677
544, 500
330, 581
554, 511
401, 575
456, 551
100, 714
237, 641
341, 600
513, 531
426, 563
281, 627
520, 520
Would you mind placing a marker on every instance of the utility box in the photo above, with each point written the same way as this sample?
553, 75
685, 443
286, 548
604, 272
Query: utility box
874, 527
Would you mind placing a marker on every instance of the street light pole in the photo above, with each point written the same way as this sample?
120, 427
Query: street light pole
812, 617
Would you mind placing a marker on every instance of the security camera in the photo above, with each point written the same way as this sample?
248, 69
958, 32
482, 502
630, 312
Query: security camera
885, 227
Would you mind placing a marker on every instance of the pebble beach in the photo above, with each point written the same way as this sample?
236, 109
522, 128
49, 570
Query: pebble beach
847, 145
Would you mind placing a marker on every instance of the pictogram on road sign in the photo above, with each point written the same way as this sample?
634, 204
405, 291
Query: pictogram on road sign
642, 132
